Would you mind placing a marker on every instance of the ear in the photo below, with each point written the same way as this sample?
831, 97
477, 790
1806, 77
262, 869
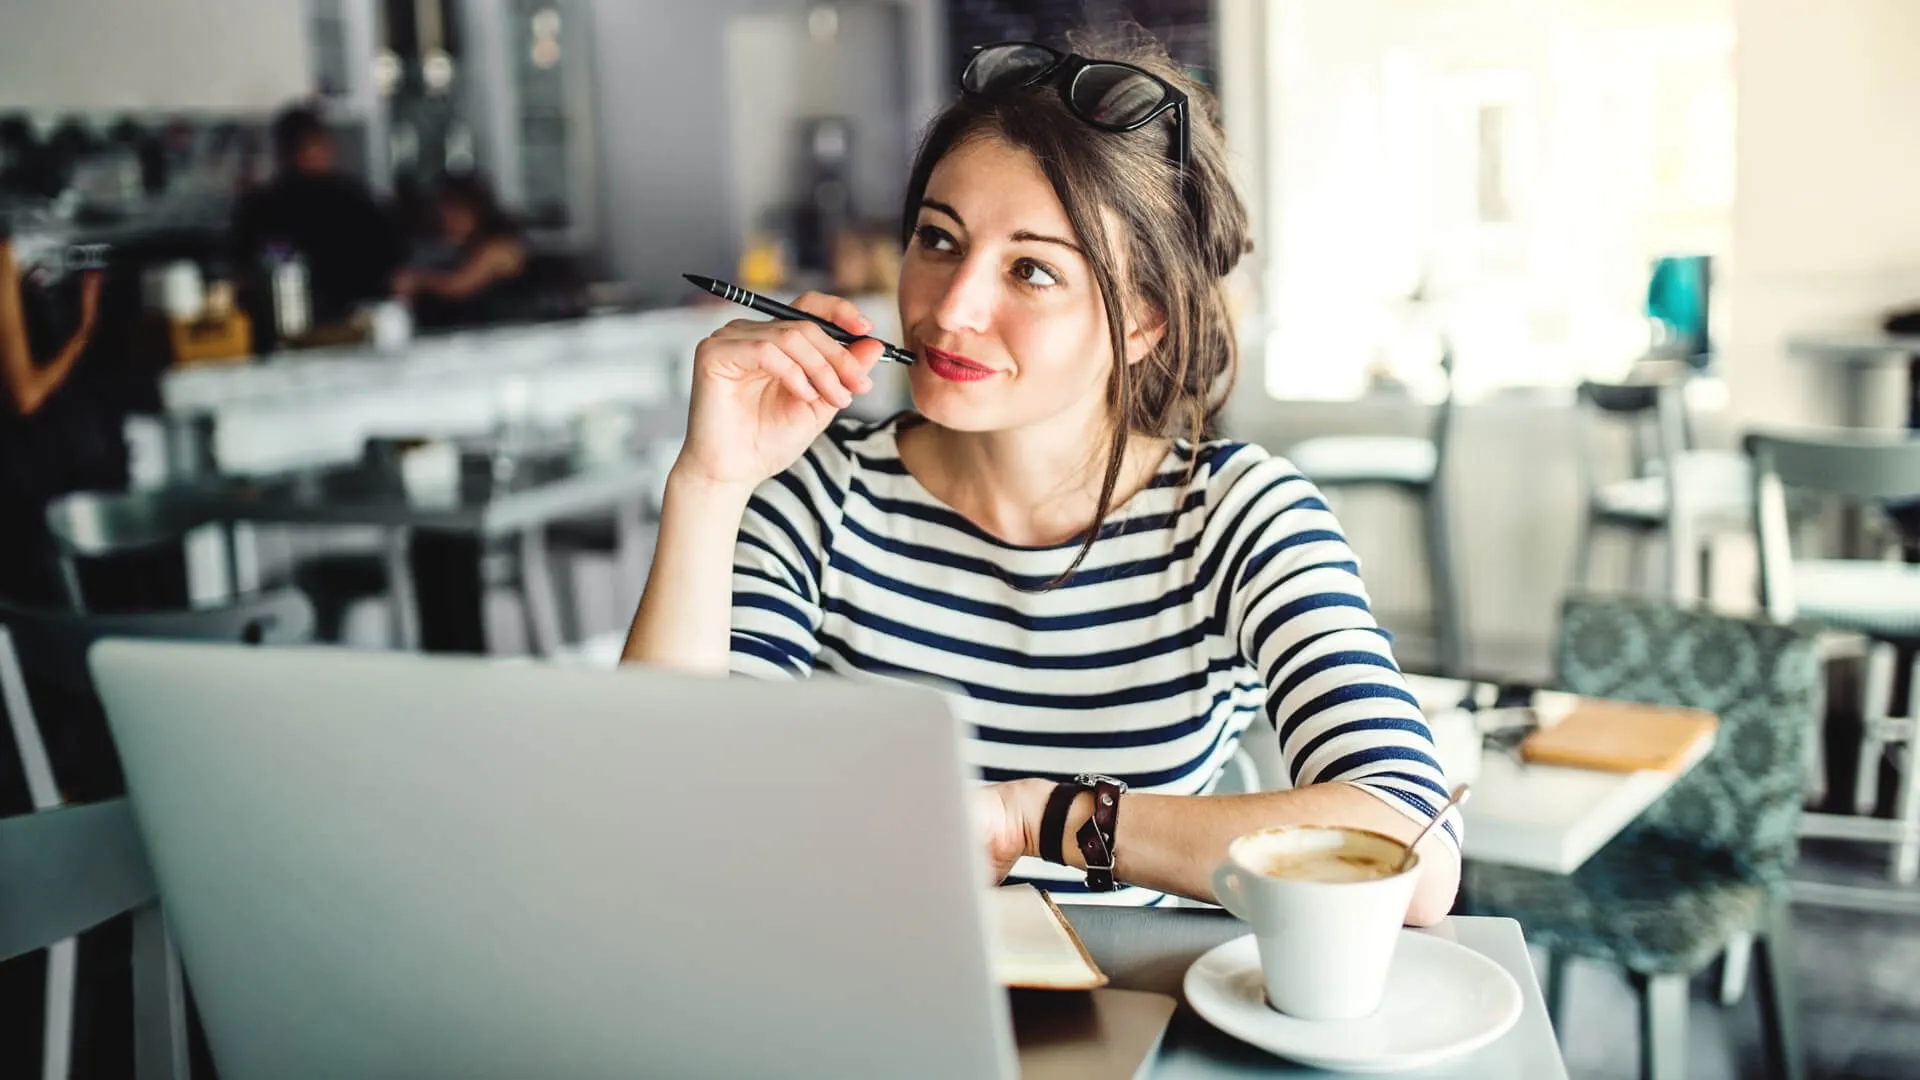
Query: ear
1143, 334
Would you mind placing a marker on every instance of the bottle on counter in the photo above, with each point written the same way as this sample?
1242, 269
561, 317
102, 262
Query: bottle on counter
287, 284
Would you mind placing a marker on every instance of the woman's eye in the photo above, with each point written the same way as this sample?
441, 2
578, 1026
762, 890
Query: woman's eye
1034, 274
934, 238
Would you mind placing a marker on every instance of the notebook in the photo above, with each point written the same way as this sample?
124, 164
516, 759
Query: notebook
1033, 945
1618, 736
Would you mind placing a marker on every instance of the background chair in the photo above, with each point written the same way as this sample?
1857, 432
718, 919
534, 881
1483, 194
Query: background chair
1705, 866
1417, 467
1877, 599
66, 870
1672, 489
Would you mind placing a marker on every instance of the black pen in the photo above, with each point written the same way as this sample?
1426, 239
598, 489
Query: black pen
776, 309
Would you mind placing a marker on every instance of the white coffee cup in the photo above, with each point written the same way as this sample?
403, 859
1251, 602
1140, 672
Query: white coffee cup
1326, 944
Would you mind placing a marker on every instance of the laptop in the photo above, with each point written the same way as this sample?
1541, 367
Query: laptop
388, 865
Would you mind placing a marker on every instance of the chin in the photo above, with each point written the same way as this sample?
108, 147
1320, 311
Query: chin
955, 406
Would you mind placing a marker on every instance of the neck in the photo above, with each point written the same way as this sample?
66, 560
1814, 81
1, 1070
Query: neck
1033, 485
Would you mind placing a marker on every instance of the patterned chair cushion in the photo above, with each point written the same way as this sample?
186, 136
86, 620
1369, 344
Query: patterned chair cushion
1697, 865
1880, 599
1649, 905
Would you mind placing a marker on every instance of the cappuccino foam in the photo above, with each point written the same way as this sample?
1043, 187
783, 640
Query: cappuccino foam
1328, 866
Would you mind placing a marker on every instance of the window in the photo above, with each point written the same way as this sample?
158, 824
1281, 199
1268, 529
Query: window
1500, 172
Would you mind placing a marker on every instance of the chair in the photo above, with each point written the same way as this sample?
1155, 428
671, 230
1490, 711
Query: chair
90, 527
1705, 866
74, 862
1417, 467
1879, 600
1688, 494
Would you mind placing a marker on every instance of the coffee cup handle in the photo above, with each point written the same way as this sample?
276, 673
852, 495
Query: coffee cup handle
1226, 889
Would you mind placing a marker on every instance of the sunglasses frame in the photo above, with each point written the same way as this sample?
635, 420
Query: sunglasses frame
1069, 67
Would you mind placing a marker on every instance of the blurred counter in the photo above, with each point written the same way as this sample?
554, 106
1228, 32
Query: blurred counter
317, 408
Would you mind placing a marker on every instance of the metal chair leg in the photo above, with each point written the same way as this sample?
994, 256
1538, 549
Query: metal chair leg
1583, 555
1779, 993
1663, 1027
1559, 966
1734, 964
1876, 698
159, 1001
56, 1058
1448, 615
1906, 854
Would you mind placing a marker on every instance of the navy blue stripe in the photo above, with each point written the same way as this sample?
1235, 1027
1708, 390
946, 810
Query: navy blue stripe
1354, 727
759, 648
797, 581
1372, 755
760, 506
1138, 779
1283, 614
1108, 740
1013, 616
1425, 808
1185, 683
1321, 664
744, 570
776, 605
1339, 695
1185, 638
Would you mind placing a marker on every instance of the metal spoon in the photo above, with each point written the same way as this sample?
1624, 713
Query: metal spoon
1459, 798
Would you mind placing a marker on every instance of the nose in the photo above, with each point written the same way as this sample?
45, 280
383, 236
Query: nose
967, 304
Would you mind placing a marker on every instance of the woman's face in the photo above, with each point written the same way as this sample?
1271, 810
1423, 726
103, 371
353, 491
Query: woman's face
997, 300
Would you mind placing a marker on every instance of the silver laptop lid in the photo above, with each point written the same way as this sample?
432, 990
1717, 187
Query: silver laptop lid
385, 865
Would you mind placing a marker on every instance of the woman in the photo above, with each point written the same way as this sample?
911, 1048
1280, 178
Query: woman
55, 435
478, 254
1063, 288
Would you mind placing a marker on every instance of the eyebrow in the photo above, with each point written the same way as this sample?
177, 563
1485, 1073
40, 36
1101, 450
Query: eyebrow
1023, 234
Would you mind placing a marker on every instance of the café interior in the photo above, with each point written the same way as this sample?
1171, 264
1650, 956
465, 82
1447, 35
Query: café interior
358, 328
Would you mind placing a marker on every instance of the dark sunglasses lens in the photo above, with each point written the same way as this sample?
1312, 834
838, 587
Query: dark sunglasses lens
1116, 97
1004, 66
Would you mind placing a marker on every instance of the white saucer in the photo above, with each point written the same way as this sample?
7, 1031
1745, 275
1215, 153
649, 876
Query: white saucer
1442, 1000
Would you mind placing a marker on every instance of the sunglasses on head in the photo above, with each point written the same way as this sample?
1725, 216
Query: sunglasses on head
1107, 94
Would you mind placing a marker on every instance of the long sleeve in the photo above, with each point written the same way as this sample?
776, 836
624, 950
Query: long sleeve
1295, 606
785, 537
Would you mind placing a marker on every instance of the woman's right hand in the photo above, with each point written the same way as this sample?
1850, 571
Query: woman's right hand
763, 391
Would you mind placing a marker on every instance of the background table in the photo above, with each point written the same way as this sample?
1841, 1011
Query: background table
1857, 354
1543, 817
1151, 949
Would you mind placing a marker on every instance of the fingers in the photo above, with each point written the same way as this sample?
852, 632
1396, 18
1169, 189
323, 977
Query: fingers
809, 362
836, 310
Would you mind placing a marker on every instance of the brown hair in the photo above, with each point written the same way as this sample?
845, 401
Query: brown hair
1182, 235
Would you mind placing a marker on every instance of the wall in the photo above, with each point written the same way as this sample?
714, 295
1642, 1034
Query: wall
213, 55
1827, 211
663, 138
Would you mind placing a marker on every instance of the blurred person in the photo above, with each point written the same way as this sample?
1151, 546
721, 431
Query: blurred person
1053, 531
57, 434
467, 272
350, 245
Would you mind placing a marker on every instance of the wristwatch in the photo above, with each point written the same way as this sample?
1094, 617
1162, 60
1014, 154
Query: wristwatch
1095, 838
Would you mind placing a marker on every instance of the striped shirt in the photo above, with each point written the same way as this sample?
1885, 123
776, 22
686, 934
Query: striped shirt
1201, 604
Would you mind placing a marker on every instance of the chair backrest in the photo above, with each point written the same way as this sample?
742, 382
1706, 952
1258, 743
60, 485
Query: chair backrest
46, 669
103, 525
1654, 412
1762, 680
67, 870
1855, 465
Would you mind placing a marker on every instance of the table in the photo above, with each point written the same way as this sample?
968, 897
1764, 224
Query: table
1544, 817
1859, 353
436, 544
1151, 949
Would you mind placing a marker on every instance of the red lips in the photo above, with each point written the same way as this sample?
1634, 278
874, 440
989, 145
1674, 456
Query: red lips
953, 366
